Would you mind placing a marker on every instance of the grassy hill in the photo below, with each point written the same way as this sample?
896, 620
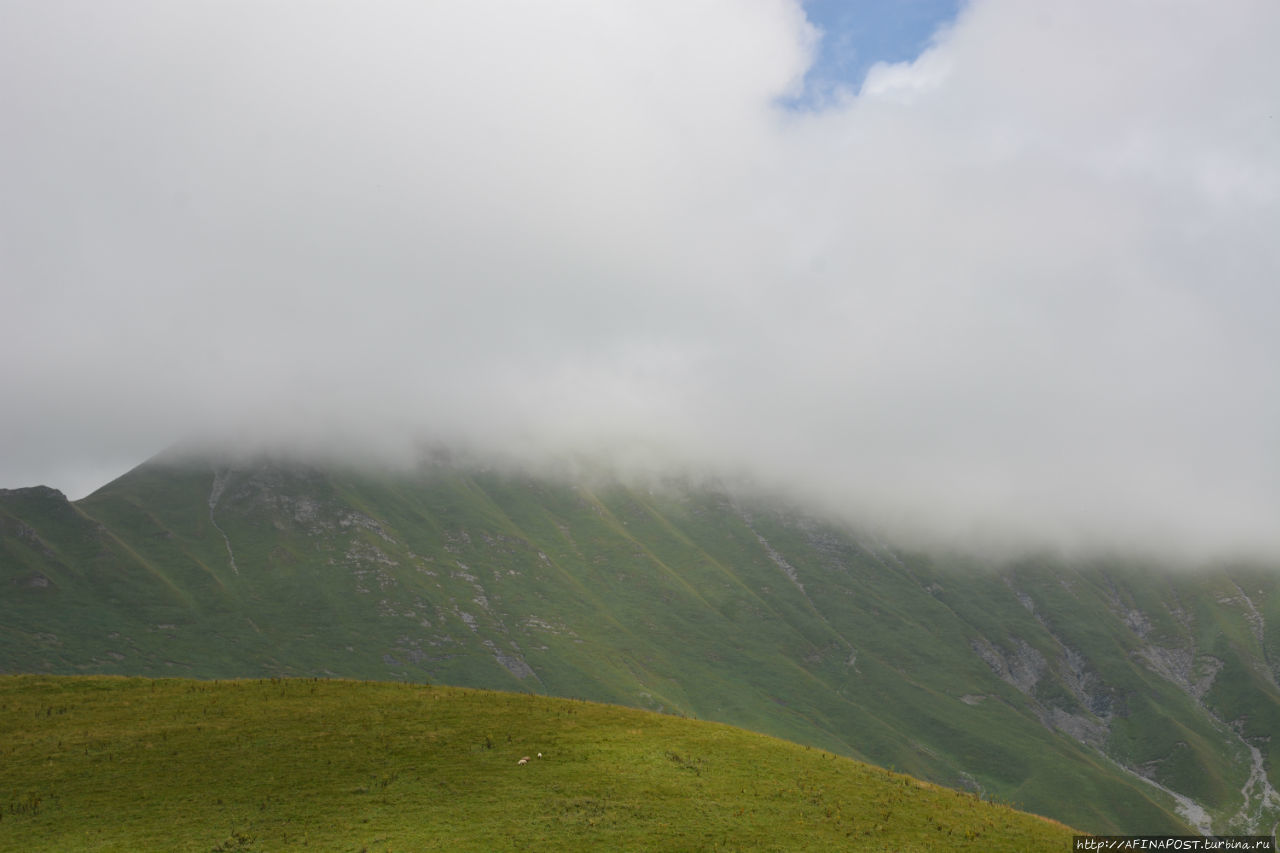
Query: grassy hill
1112, 696
135, 764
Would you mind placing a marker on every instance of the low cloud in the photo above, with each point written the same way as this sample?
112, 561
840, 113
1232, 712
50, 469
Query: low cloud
1020, 290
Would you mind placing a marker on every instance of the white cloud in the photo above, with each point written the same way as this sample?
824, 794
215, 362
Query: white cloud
1024, 284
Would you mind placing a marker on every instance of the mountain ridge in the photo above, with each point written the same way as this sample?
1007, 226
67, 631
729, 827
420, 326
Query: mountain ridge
1149, 694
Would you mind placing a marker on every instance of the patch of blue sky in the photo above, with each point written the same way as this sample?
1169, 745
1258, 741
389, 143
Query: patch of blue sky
856, 34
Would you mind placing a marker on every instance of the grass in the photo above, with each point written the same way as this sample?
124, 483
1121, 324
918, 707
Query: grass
104, 763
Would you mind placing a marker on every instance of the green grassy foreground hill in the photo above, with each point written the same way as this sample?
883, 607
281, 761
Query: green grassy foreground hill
98, 763
1113, 696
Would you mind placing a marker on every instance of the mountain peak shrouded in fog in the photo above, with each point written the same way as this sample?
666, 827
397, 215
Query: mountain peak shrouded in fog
1018, 288
675, 595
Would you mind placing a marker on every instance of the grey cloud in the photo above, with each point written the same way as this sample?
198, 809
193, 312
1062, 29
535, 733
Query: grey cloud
1019, 290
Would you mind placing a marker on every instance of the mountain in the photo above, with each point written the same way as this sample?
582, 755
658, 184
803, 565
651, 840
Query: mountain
1112, 695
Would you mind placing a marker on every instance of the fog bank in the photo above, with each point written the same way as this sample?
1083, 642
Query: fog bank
1020, 289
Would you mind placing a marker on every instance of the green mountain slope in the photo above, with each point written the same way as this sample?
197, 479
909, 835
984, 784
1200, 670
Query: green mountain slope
1113, 697
134, 764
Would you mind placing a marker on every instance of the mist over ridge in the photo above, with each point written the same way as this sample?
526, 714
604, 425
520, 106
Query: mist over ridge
948, 532
1015, 293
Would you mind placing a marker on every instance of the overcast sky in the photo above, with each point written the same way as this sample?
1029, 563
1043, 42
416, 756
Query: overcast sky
1018, 280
